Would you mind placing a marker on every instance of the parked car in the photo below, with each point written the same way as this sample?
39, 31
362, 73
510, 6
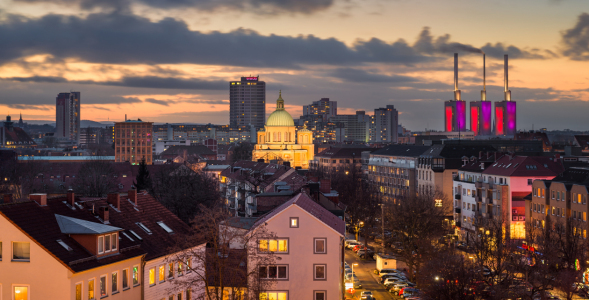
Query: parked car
366, 295
388, 271
351, 245
392, 281
409, 292
348, 241
400, 285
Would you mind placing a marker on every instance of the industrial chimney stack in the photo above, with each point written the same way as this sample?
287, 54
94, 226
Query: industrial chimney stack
456, 90
484, 91
506, 79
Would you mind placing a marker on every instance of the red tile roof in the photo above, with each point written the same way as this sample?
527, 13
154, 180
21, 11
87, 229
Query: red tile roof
526, 166
303, 201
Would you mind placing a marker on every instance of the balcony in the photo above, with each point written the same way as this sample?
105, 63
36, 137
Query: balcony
458, 197
457, 210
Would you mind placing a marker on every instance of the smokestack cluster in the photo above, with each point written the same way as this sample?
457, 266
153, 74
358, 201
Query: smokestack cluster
506, 79
456, 90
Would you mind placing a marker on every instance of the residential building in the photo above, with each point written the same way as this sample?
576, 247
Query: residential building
393, 170
133, 141
357, 127
583, 142
561, 201
67, 117
247, 102
338, 159
438, 166
309, 250
535, 136
280, 140
14, 137
95, 248
92, 135
197, 134
161, 146
324, 108
193, 153
508, 181
385, 125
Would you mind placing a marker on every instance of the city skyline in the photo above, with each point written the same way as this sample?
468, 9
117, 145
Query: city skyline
363, 57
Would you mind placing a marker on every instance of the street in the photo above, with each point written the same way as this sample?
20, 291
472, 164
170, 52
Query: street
364, 271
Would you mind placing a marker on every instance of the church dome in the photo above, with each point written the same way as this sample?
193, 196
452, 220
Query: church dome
280, 117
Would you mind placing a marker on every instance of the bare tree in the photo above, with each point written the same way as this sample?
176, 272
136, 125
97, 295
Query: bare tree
232, 265
417, 224
183, 190
451, 276
95, 178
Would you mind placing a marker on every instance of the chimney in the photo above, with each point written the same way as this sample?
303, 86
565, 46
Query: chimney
325, 186
7, 198
133, 196
41, 199
456, 90
115, 200
484, 91
103, 213
507, 92
71, 197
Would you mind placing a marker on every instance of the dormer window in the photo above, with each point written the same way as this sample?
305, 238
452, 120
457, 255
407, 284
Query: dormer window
107, 243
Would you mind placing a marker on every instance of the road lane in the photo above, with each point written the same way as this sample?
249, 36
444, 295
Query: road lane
364, 272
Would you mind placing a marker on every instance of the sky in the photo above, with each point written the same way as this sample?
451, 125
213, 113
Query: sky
172, 60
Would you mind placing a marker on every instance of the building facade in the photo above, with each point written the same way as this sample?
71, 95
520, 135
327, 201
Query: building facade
324, 108
133, 141
279, 140
67, 117
385, 125
338, 159
357, 127
247, 102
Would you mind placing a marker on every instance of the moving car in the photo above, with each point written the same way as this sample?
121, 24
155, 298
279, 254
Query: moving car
366, 295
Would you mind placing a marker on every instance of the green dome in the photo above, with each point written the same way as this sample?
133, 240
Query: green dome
280, 117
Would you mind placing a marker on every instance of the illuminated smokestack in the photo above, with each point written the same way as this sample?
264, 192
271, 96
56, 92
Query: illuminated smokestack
506, 79
456, 90
484, 91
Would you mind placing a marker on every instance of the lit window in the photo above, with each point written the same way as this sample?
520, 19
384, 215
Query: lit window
91, 289
274, 296
162, 273
21, 251
152, 276
180, 268
21, 293
171, 270
135, 275
294, 222
115, 282
79, 291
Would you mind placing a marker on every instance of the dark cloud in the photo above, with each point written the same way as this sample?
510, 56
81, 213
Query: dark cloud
427, 44
576, 40
160, 102
257, 6
139, 82
29, 106
356, 75
128, 39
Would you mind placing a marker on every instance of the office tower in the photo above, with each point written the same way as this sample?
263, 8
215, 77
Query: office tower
323, 107
133, 141
67, 116
356, 126
247, 102
480, 111
506, 110
385, 125
455, 110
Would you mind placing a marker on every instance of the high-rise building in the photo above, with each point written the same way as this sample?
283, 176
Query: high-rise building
67, 116
247, 102
133, 141
356, 126
481, 111
455, 110
506, 110
385, 125
323, 107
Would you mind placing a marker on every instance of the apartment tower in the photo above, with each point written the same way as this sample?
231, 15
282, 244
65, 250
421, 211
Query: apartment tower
385, 125
67, 116
247, 102
133, 141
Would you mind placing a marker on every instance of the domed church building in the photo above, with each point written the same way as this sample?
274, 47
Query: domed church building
280, 140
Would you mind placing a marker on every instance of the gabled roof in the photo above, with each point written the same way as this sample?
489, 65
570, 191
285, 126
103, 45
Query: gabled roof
303, 201
525, 166
69, 225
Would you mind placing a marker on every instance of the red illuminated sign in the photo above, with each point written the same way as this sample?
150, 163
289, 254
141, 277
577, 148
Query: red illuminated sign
499, 118
251, 78
474, 120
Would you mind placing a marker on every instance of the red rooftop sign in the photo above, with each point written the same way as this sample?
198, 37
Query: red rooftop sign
251, 78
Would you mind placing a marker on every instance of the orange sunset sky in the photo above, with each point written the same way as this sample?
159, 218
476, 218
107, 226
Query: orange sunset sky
171, 61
